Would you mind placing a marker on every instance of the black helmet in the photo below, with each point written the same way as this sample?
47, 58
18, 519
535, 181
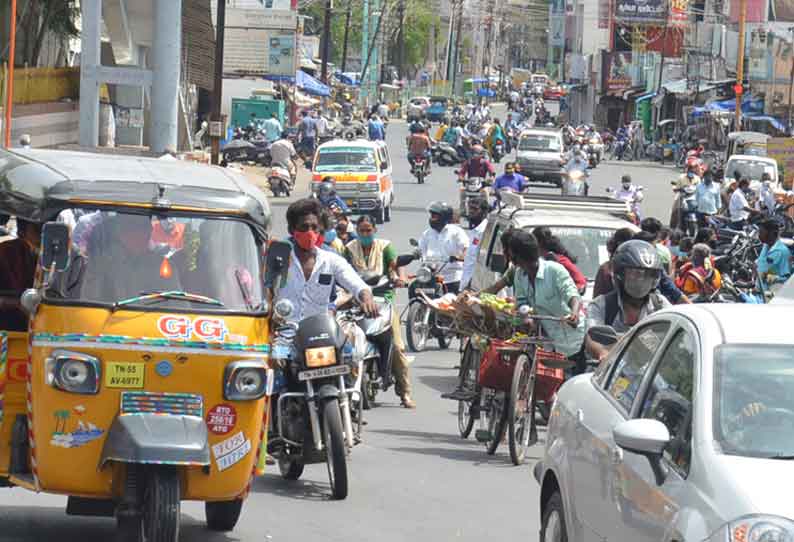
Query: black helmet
442, 209
640, 260
626, 179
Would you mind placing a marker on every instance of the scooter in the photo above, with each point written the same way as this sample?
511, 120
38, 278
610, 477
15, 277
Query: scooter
575, 182
419, 168
447, 155
498, 151
689, 207
280, 180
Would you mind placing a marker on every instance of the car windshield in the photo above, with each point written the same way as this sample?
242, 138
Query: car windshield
175, 262
752, 169
346, 159
754, 400
539, 143
587, 245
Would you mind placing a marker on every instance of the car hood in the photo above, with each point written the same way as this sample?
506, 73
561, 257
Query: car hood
545, 155
763, 484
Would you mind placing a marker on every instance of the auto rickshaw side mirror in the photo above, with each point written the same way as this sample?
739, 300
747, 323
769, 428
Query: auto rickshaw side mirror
55, 246
384, 166
605, 335
276, 262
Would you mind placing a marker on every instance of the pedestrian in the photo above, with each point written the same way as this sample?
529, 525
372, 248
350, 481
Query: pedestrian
708, 199
375, 129
307, 130
273, 128
739, 208
774, 262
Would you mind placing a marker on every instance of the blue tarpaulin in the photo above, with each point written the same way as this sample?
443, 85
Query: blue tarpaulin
349, 78
490, 93
306, 83
750, 106
771, 120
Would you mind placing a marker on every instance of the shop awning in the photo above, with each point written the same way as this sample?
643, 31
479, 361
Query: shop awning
680, 86
750, 106
352, 79
775, 122
305, 82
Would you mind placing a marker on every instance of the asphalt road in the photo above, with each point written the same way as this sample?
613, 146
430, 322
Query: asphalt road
412, 478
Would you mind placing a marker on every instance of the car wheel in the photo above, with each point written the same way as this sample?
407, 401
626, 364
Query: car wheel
552, 526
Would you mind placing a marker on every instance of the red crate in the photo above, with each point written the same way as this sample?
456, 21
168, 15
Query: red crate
496, 368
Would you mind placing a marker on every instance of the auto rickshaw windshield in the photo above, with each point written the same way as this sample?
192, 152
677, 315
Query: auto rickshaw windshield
167, 262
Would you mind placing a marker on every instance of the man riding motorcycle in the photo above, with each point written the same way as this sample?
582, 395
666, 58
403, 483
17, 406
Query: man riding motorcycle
329, 199
688, 178
577, 161
419, 145
631, 194
477, 166
445, 241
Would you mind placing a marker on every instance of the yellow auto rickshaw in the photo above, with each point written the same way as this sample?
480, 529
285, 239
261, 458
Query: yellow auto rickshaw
141, 376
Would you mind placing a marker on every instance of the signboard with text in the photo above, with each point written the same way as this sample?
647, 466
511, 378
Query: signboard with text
281, 57
616, 71
649, 12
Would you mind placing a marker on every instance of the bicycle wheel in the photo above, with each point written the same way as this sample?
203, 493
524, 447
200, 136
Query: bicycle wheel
467, 381
520, 410
497, 422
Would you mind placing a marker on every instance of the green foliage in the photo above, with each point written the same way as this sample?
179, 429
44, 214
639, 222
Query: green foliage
37, 18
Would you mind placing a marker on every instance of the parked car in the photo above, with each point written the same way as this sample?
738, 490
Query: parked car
685, 432
417, 108
540, 155
437, 109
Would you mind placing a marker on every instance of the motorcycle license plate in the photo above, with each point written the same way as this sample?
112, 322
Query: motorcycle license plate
324, 372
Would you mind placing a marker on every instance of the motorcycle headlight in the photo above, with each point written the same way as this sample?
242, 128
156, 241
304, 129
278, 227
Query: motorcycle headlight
757, 528
320, 357
284, 309
245, 380
424, 274
74, 372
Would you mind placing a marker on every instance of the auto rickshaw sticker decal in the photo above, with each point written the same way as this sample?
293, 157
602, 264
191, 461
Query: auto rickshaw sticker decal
124, 375
3, 361
124, 342
182, 327
221, 419
231, 451
151, 402
81, 432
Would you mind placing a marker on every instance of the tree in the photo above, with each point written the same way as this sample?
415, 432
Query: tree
419, 23
35, 20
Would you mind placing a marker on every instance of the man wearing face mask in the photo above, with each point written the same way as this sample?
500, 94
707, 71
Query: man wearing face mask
511, 180
630, 193
18, 258
688, 178
446, 242
313, 272
478, 220
636, 270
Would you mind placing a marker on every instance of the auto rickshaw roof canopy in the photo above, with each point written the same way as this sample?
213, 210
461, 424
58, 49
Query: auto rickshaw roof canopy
36, 184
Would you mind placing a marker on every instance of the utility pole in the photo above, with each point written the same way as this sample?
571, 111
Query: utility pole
740, 64
217, 90
457, 48
12, 46
791, 82
347, 33
401, 42
364, 51
329, 5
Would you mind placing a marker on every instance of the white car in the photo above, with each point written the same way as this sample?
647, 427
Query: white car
417, 107
684, 433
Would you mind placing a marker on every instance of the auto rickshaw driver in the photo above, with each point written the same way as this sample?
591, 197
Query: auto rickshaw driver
18, 258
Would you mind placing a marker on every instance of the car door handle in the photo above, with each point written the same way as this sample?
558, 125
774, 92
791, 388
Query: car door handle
617, 456
579, 415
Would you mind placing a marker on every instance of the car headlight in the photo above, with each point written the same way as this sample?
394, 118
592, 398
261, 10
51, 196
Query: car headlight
245, 380
756, 528
74, 372
424, 274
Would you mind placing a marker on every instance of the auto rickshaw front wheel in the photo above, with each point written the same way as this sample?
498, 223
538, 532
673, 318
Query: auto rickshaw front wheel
160, 509
223, 515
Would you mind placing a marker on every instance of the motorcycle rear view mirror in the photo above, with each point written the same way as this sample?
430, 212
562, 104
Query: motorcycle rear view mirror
405, 259
605, 335
277, 262
413, 242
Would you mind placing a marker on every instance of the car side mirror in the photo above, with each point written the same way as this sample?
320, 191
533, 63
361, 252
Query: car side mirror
55, 246
498, 263
605, 335
646, 437
277, 262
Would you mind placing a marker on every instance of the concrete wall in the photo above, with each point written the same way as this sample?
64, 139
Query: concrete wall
48, 124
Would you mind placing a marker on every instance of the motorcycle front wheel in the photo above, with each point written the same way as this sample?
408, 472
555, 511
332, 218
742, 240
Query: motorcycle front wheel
415, 328
335, 450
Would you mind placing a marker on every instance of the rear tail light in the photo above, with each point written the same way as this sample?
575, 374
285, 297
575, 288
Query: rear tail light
372, 178
317, 177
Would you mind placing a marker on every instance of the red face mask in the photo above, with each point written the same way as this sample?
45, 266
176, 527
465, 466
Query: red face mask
320, 240
307, 240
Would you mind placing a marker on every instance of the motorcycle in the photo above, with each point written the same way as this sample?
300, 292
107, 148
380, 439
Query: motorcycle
280, 180
498, 151
419, 168
689, 206
592, 156
446, 155
256, 150
470, 188
313, 421
632, 204
420, 322
373, 341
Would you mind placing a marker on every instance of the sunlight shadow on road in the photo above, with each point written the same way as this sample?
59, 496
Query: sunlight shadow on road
475, 456
302, 490
439, 383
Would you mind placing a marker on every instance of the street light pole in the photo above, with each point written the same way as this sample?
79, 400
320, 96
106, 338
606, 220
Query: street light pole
217, 89
329, 5
347, 34
12, 45
740, 64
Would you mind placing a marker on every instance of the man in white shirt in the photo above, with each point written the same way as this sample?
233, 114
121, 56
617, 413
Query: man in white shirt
478, 220
272, 128
739, 208
322, 125
383, 112
444, 241
313, 273
282, 152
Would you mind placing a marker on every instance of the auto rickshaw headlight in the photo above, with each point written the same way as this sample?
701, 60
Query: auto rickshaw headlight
283, 309
245, 380
73, 372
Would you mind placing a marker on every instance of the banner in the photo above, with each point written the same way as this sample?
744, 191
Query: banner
282, 55
617, 71
557, 34
649, 12
782, 150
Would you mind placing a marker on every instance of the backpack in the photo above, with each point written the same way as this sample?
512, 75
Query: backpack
612, 307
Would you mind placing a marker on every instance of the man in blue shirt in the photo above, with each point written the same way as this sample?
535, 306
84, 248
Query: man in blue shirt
774, 262
376, 129
708, 198
510, 180
272, 128
307, 128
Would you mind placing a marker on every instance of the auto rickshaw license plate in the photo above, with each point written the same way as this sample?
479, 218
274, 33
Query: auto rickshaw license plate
124, 375
323, 372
